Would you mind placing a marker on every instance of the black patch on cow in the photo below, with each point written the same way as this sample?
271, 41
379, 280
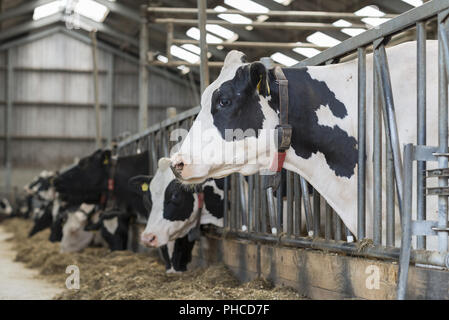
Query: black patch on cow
213, 202
306, 96
178, 203
236, 105
43, 222
181, 255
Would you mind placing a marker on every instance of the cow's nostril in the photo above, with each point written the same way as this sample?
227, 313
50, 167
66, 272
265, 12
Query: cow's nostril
179, 166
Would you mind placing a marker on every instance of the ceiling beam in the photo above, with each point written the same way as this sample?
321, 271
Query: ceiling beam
25, 8
29, 26
121, 9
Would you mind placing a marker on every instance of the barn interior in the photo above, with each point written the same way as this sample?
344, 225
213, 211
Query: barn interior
77, 76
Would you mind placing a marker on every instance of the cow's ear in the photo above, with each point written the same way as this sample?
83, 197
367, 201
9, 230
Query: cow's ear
258, 78
140, 184
106, 157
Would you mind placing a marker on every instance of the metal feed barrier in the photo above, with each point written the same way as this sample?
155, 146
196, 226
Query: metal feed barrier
258, 216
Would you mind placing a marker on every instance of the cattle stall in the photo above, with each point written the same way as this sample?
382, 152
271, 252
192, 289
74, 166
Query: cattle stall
261, 237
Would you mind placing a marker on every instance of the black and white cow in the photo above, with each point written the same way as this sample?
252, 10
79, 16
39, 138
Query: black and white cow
323, 113
175, 208
88, 180
6, 210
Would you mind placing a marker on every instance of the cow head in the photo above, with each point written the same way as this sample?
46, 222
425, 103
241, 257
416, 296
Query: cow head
235, 128
86, 181
175, 207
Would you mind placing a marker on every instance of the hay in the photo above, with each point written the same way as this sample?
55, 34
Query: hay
128, 275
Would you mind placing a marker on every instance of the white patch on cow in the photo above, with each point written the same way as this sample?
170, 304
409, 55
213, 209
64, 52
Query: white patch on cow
74, 237
5, 207
87, 207
326, 118
55, 209
111, 224
170, 249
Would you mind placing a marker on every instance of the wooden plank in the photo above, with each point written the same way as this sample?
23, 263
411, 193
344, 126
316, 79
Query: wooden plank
320, 275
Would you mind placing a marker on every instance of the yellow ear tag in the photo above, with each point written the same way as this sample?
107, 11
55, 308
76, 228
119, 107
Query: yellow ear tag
258, 84
144, 187
106, 161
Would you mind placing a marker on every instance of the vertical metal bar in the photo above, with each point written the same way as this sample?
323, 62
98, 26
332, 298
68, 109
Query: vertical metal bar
243, 203
271, 210
289, 203
349, 236
251, 203
257, 206
421, 126
328, 224
387, 95
143, 71
442, 134
377, 158
297, 197
233, 202
98, 137
361, 171
406, 240
316, 213
307, 206
337, 223
263, 206
204, 70
8, 119
226, 201
169, 41
390, 192
110, 103
280, 205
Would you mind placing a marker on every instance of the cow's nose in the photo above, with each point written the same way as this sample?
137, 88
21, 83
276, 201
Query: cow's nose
177, 168
149, 239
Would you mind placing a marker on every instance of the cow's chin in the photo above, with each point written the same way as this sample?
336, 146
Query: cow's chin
218, 173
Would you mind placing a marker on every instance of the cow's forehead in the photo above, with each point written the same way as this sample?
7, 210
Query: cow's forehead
161, 180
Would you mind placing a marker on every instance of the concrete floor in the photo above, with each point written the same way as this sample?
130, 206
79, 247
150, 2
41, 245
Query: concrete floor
18, 282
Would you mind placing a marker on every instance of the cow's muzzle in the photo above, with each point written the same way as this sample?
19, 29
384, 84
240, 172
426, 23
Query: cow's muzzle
148, 239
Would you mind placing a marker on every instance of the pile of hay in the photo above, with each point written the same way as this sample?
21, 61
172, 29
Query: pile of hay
128, 275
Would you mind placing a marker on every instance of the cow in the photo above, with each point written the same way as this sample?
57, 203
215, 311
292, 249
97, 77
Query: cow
6, 210
88, 180
323, 113
175, 209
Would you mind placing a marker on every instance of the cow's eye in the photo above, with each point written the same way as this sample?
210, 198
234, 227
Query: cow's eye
224, 102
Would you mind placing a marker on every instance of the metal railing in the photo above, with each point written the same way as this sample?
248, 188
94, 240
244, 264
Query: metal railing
308, 221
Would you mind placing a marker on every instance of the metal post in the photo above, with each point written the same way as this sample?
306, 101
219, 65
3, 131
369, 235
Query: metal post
337, 224
251, 203
143, 71
307, 206
204, 70
361, 182
406, 240
442, 133
226, 201
257, 207
387, 95
169, 41
421, 125
110, 105
96, 93
390, 192
297, 196
316, 213
243, 202
271, 210
377, 158
328, 224
289, 203
280, 205
8, 118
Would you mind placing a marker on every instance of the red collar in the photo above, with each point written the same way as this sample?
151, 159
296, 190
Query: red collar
200, 200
